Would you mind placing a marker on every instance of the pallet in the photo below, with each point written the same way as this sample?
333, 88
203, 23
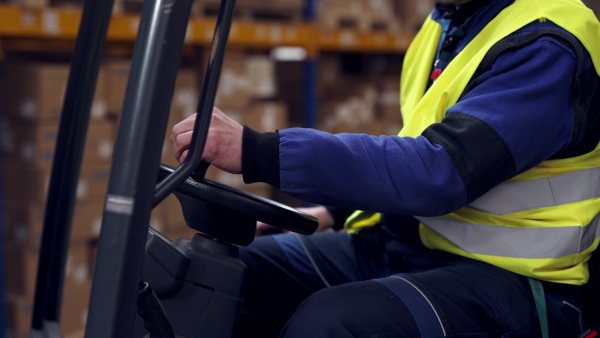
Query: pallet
381, 23
363, 22
281, 10
127, 6
287, 11
36, 4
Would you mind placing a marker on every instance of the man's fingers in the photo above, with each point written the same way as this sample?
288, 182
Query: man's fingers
181, 143
183, 156
184, 126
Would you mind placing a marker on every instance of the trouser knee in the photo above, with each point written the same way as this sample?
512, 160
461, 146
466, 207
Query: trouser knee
352, 310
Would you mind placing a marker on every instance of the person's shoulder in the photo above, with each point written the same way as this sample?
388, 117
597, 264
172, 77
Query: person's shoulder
538, 27
543, 32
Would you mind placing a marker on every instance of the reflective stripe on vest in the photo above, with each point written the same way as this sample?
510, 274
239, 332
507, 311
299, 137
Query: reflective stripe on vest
540, 193
531, 243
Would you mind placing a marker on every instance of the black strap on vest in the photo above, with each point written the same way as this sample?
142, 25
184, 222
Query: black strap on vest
586, 127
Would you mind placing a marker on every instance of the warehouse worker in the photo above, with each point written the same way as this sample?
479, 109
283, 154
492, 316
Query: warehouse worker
477, 219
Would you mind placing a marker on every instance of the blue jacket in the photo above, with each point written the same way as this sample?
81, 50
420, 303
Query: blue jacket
530, 86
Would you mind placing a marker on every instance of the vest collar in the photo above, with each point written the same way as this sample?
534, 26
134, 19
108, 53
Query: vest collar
442, 11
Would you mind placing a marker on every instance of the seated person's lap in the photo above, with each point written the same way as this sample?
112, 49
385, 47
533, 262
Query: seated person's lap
335, 284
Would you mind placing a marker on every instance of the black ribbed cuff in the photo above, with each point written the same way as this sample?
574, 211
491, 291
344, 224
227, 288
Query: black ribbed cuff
260, 157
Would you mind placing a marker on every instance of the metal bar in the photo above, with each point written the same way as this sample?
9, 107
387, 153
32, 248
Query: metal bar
309, 73
310, 9
309, 92
135, 166
3, 226
67, 161
205, 105
2, 254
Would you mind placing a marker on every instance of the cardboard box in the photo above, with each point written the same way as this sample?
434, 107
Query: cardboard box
99, 109
33, 144
260, 71
34, 91
266, 116
233, 88
22, 267
413, 13
235, 113
350, 110
74, 310
38, 4
347, 7
18, 316
75, 4
25, 222
30, 185
73, 316
186, 94
390, 115
116, 74
21, 270
388, 101
365, 15
386, 128
290, 81
262, 116
381, 7
329, 75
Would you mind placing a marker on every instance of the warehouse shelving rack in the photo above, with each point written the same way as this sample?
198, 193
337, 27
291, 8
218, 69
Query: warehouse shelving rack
32, 29
55, 29
2, 269
201, 274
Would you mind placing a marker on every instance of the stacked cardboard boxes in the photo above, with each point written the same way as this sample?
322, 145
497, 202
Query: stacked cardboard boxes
29, 3
413, 13
290, 11
350, 98
350, 108
32, 95
364, 15
253, 90
279, 10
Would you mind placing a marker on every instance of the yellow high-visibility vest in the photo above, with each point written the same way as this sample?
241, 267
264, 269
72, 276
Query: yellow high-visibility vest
543, 223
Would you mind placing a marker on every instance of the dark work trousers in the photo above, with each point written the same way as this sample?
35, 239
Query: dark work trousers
370, 285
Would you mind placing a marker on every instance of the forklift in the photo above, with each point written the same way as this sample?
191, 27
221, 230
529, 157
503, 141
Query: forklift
145, 285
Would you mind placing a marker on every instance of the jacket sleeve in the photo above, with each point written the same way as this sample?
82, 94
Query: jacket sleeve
515, 118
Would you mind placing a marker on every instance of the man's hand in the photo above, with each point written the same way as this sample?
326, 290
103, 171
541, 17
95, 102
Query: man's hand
320, 212
223, 147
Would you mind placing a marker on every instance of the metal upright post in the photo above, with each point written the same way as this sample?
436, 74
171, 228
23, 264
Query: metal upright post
2, 260
310, 73
135, 166
66, 167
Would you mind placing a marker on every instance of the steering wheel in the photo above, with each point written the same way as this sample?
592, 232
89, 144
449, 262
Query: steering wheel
230, 214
